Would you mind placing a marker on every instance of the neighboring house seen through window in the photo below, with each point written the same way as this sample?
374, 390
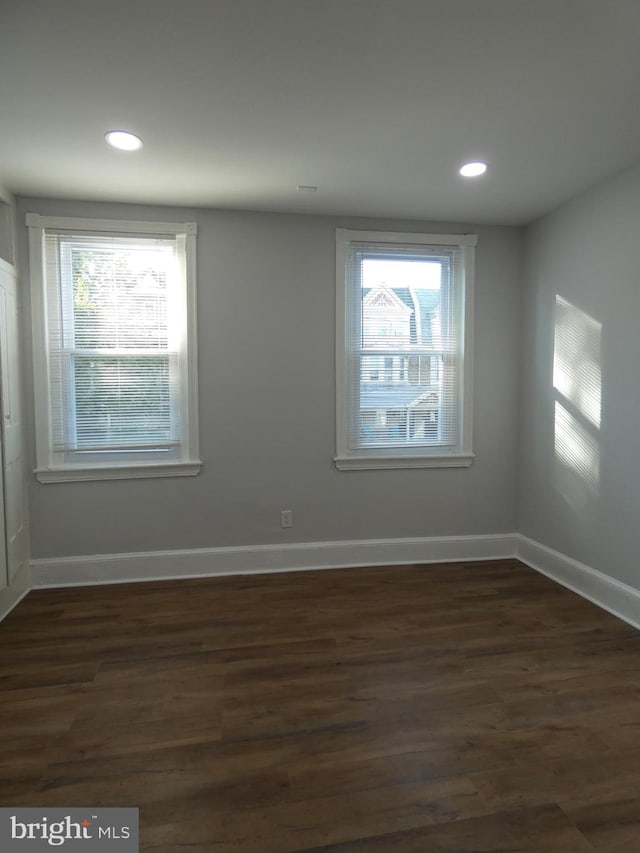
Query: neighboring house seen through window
404, 341
114, 348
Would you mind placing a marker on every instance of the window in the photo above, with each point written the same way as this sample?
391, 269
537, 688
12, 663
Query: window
114, 348
404, 343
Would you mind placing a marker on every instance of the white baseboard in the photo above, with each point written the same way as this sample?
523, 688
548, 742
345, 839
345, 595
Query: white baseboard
612, 595
13, 594
208, 562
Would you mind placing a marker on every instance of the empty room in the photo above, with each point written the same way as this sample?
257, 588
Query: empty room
320, 477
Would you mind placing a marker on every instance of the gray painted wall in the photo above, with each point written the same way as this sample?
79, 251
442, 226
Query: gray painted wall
579, 473
267, 409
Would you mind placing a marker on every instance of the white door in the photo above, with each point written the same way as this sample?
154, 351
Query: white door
4, 571
4, 576
14, 547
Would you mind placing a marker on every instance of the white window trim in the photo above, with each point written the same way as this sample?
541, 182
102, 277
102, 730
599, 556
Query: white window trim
45, 471
390, 459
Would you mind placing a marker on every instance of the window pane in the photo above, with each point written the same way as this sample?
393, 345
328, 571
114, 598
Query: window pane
121, 402
120, 295
401, 305
400, 302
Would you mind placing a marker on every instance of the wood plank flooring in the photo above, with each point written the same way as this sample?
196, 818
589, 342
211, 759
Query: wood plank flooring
468, 707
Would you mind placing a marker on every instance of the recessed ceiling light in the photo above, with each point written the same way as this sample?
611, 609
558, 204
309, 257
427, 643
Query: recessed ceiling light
472, 170
123, 139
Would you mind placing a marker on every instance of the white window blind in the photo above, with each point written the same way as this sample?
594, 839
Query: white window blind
403, 378
116, 354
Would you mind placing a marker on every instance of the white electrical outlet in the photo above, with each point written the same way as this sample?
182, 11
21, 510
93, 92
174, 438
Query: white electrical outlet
286, 518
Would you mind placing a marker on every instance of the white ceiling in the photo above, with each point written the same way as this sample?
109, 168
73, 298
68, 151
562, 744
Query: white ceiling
377, 102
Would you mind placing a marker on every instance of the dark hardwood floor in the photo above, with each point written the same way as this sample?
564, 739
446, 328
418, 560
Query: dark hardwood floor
466, 707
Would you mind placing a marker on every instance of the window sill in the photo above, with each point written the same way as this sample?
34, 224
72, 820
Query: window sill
117, 472
360, 463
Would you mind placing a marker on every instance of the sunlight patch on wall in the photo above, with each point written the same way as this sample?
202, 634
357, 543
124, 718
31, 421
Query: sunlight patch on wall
576, 448
577, 384
577, 372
